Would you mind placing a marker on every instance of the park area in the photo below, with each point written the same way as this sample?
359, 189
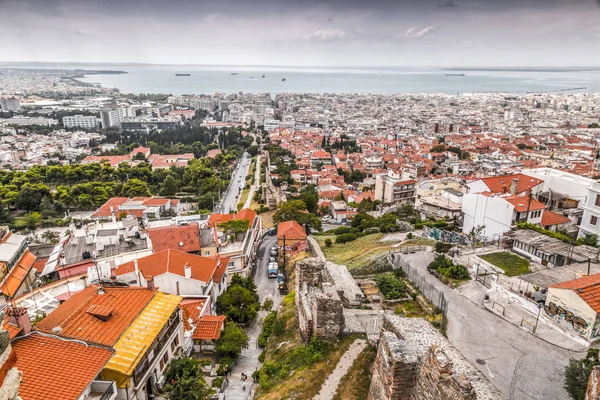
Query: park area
510, 263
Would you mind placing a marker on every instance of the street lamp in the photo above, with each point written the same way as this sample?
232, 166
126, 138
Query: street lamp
540, 305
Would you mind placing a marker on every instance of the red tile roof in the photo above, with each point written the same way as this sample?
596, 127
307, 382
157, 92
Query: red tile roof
12, 330
550, 218
174, 262
291, 230
54, 368
246, 214
587, 287
501, 184
104, 210
208, 327
18, 274
221, 268
185, 238
191, 310
73, 317
523, 203
216, 219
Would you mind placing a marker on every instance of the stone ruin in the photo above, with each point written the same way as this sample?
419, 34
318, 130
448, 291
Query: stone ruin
323, 290
416, 362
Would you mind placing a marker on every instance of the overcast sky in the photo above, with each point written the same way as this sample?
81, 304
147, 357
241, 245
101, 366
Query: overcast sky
304, 32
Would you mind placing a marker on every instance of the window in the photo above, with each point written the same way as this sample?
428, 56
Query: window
598, 200
593, 220
207, 253
231, 263
174, 344
165, 360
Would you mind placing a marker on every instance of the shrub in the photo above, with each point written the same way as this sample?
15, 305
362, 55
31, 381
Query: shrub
409, 236
390, 286
577, 373
441, 247
268, 304
267, 329
342, 230
444, 266
218, 381
328, 242
346, 237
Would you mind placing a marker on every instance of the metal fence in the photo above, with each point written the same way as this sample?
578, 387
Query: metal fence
419, 279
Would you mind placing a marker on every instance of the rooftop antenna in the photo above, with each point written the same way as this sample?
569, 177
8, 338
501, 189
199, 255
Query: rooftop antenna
101, 288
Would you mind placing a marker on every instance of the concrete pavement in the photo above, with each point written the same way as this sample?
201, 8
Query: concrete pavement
247, 363
521, 365
238, 181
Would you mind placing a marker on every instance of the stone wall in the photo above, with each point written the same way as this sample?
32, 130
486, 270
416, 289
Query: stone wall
593, 388
416, 362
319, 309
10, 377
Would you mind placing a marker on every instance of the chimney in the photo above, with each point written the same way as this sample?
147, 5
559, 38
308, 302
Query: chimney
19, 317
150, 282
137, 272
513, 186
187, 270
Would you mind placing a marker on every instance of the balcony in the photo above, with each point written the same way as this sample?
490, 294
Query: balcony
102, 390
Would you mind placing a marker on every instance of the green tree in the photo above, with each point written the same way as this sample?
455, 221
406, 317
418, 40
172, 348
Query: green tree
235, 226
295, 210
577, 373
136, 188
239, 304
246, 283
328, 242
31, 195
139, 156
33, 219
50, 237
185, 381
233, 339
5, 215
437, 149
169, 186
47, 207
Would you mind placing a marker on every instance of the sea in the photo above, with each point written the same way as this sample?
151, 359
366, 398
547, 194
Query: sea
153, 78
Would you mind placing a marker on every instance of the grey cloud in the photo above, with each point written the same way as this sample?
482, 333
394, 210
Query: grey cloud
329, 35
415, 33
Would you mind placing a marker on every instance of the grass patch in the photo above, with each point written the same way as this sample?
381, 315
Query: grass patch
267, 219
361, 251
244, 196
510, 263
356, 383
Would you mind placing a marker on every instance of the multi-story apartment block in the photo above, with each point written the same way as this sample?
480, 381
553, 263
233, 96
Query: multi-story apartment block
80, 121
10, 104
392, 189
590, 222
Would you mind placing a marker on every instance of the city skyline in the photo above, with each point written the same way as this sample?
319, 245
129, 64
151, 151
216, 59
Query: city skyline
436, 33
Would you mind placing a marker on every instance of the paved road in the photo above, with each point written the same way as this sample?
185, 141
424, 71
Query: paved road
237, 183
248, 361
522, 366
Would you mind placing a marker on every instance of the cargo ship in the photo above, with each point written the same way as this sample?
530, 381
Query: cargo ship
282, 79
183, 74
455, 75
234, 73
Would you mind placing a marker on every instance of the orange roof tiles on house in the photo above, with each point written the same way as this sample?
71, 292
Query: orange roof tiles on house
246, 214
216, 219
291, 230
550, 218
501, 184
18, 274
156, 201
54, 368
587, 287
525, 203
191, 310
105, 209
185, 238
221, 268
74, 320
208, 327
174, 262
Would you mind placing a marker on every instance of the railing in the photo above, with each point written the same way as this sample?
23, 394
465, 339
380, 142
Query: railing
108, 394
106, 390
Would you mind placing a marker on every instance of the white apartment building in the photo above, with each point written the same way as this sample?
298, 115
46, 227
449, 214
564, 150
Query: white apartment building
590, 222
80, 121
392, 189
10, 104
24, 121
110, 118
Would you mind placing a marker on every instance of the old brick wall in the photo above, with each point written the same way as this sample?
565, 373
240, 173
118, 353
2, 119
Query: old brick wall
415, 362
328, 316
593, 388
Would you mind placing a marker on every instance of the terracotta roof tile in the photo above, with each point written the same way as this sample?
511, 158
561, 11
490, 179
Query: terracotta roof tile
291, 230
216, 219
185, 238
246, 214
551, 218
12, 330
221, 268
209, 327
588, 288
43, 360
191, 310
501, 184
524, 203
73, 317
172, 261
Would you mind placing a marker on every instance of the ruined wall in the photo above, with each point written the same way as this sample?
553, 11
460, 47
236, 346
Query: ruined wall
415, 362
319, 309
10, 377
593, 388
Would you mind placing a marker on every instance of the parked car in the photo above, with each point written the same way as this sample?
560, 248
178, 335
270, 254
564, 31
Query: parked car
272, 259
272, 232
274, 251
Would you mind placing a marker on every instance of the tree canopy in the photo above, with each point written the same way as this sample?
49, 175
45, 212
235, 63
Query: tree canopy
295, 210
184, 380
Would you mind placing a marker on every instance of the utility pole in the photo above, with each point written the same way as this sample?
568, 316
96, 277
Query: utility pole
589, 263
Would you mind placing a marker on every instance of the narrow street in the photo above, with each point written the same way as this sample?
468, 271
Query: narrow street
236, 185
248, 361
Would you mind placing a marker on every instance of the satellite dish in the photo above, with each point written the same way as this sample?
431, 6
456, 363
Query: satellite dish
180, 244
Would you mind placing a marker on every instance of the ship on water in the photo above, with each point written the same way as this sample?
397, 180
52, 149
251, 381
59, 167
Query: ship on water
263, 75
282, 79
455, 75
234, 73
183, 74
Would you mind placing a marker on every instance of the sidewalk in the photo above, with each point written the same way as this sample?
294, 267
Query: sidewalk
508, 310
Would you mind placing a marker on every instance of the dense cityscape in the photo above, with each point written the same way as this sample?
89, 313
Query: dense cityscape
257, 200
